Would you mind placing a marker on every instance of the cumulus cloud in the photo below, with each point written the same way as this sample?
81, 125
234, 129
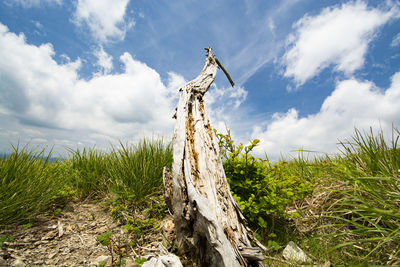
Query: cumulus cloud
353, 104
105, 18
338, 36
42, 93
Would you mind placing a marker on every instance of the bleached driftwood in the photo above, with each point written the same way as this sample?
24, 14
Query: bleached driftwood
208, 221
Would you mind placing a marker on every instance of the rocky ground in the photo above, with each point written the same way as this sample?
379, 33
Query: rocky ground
71, 239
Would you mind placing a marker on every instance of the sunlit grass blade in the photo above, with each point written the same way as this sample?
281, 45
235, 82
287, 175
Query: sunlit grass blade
136, 171
29, 184
90, 166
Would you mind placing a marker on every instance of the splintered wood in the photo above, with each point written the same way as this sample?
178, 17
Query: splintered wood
209, 223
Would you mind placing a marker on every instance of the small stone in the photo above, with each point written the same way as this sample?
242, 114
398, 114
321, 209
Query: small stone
295, 254
129, 263
169, 260
66, 251
101, 259
51, 255
18, 263
49, 235
153, 262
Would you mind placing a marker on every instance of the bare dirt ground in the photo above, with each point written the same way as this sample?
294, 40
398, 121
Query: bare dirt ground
70, 239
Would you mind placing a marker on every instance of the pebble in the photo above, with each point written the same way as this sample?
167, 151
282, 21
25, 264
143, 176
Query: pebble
51, 255
293, 253
18, 263
101, 259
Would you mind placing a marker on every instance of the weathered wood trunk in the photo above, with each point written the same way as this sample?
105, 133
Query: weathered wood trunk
208, 221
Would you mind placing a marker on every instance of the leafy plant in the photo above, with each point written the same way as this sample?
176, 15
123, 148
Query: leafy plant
104, 238
263, 190
6, 238
27, 225
139, 220
112, 246
140, 261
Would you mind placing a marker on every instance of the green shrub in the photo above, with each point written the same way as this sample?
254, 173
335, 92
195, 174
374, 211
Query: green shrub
263, 190
104, 238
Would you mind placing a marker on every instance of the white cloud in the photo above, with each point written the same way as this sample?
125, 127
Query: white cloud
352, 104
43, 94
396, 41
232, 97
104, 60
225, 110
33, 3
174, 81
338, 36
105, 18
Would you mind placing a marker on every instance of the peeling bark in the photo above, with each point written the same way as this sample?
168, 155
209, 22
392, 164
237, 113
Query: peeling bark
208, 221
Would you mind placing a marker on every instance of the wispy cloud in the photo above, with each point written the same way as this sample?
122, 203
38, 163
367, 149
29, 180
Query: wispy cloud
338, 36
396, 41
32, 3
260, 43
104, 60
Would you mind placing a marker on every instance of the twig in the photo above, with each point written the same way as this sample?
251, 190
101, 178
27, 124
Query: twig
148, 249
80, 239
225, 71
16, 244
134, 252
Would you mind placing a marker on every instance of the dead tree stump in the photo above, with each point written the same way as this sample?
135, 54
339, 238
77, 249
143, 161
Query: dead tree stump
208, 222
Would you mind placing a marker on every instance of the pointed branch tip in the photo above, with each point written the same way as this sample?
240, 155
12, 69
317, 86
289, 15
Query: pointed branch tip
225, 71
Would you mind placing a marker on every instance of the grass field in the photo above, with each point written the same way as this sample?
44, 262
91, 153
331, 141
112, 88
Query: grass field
352, 216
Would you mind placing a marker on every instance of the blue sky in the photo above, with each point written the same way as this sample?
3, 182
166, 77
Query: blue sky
87, 73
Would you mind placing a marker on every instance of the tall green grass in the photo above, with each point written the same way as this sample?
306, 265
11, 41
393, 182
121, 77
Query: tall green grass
128, 171
90, 167
136, 171
357, 205
367, 215
29, 184
370, 154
